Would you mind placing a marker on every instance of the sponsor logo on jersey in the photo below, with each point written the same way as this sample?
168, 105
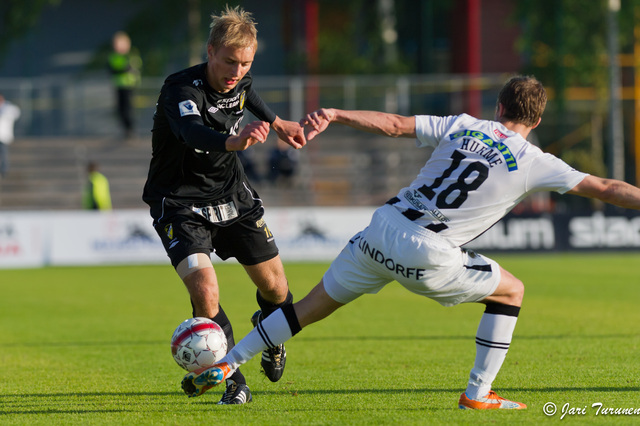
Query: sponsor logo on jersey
188, 107
236, 101
213, 110
485, 139
415, 197
499, 134
393, 265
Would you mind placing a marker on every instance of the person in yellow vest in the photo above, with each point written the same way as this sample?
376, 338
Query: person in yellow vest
125, 65
97, 195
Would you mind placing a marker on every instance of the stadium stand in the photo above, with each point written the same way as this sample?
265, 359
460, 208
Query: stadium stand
337, 169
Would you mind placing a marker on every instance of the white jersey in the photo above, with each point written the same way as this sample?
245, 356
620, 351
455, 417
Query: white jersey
477, 173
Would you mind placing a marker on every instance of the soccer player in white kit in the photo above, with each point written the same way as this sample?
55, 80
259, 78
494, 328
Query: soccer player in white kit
478, 171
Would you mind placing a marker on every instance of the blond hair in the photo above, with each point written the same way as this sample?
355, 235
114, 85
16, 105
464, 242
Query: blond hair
524, 100
233, 28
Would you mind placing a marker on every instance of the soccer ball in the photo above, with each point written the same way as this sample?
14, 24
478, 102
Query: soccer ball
198, 343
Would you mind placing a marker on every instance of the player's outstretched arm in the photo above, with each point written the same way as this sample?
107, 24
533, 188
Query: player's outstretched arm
380, 123
611, 191
290, 132
251, 134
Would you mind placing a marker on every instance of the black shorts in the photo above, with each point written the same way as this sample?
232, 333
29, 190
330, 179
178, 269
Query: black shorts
184, 232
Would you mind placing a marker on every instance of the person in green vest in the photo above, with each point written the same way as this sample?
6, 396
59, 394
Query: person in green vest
125, 65
97, 195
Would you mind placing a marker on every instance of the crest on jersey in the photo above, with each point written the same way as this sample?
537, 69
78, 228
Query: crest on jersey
242, 97
169, 231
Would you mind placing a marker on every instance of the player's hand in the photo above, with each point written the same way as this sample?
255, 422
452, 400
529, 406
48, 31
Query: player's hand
319, 121
290, 132
251, 134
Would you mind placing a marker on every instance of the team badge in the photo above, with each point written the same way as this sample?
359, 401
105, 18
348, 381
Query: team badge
169, 231
242, 97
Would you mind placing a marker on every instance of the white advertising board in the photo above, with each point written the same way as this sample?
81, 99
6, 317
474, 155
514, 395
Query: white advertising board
22, 240
35, 239
315, 234
95, 238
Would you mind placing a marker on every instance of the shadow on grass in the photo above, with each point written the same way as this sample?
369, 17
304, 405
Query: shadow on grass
341, 338
20, 398
85, 394
44, 412
465, 337
328, 391
445, 390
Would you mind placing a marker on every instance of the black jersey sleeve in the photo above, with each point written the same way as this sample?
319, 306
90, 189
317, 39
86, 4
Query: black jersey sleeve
258, 107
196, 135
182, 107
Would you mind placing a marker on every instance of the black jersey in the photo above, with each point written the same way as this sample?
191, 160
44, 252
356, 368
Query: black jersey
191, 123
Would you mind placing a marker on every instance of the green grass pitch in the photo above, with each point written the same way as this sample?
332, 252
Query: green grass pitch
91, 346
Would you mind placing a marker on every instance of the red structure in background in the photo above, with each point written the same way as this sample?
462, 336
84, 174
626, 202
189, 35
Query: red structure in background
467, 50
482, 41
311, 18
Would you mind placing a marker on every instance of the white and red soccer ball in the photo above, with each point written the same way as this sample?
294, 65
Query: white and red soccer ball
198, 343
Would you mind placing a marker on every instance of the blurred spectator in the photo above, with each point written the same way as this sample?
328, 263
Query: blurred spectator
9, 113
125, 65
97, 195
283, 162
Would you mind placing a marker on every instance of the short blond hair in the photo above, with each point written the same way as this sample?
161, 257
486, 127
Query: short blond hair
524, 100
233, 28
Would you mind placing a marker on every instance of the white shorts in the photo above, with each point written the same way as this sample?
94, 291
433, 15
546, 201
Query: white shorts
394, 248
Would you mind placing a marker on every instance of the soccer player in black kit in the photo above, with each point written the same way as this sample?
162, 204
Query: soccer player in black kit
197, 191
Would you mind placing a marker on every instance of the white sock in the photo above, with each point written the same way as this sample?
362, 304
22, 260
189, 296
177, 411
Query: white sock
492, 343
270, 332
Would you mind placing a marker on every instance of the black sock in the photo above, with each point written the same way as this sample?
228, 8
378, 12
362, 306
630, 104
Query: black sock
268, 307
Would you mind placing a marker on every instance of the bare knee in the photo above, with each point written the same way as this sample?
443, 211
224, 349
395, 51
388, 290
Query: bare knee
516, 295
510, 290
203, 291
270, 279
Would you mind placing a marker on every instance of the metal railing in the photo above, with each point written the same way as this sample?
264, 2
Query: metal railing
86, 107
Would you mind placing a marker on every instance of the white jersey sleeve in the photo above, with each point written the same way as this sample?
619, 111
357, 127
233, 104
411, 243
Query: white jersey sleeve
549, 173
430, 129
478, 171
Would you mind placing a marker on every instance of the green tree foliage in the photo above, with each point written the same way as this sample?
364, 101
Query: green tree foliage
565, 41
159, 30
18, 17
350, 39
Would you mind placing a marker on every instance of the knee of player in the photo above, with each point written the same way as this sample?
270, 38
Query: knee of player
517, 292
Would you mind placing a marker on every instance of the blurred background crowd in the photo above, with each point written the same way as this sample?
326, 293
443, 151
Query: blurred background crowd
86, 75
